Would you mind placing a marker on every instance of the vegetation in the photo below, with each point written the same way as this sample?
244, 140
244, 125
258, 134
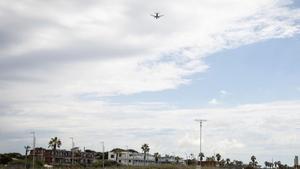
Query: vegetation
26, 153
146, 149
54, 143
218, 157
201, 155
156, 156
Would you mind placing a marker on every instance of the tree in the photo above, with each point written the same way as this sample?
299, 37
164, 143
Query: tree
177, 159
253, 160
192, 156
238, 163
279, 164
222, 163
157, 156
26, 153
5, 159
201, 156
218, 156
267, 164
146, 149
275, 164
227, 161
54, 143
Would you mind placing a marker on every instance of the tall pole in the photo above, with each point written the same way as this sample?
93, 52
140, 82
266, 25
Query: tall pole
102, 154
127, 155
33, 148
72, 149
200, 123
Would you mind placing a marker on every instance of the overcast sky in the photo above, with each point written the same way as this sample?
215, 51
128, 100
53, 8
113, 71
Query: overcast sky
105, 70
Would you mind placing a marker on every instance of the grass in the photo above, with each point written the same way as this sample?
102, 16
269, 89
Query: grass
133, 167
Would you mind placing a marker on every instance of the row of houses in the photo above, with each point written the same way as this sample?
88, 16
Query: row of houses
131, 157
64, 157
88, 157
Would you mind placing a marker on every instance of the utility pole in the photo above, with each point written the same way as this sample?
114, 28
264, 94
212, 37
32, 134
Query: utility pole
72, 149
127, 155
200, 121
33, 148
102, 154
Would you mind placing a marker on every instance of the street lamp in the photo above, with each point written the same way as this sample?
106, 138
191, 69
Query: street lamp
102, 154
33, 148
200, 122
72, 149
127, 155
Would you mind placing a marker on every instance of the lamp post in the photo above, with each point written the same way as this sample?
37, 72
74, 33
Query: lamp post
127, 155
72, 149
200, 123
102, 154
33, 148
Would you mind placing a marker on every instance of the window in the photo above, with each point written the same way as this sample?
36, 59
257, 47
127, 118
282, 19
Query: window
112, 156
129, 161
119, 161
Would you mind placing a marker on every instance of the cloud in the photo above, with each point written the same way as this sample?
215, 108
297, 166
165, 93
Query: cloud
214, 101
236, 132
224, 92
52, 54
109, 42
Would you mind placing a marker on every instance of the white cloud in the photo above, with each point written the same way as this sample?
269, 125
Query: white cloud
51, 53
236, 132
115, 47
224, 92
214, 101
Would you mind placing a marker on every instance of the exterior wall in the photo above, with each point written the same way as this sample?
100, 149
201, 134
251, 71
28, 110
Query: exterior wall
296, 163
131, 158
63, 157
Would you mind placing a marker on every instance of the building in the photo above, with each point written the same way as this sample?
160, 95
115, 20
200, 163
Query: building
64, 157
132, 157
296, 163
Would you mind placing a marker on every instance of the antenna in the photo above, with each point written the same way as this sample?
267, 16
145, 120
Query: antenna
200, 121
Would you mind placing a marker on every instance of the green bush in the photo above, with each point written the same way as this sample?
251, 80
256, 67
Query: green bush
5, 159
107, 163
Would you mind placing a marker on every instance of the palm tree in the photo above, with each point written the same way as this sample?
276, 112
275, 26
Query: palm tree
54, 143
222, 163
157, 156
192, 156
26, 153
275, 164
145, 148
279, 164
267, 164
201, 156
218, 157
253, 159
177, 159
227, 161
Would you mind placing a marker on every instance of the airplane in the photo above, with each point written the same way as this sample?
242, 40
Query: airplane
156, 15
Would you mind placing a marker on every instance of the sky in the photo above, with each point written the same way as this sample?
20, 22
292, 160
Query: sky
108, 71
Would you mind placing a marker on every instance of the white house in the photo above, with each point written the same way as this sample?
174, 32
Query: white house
131, 157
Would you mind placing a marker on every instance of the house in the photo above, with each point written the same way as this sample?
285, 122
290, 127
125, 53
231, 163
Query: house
130, 157
64, 157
